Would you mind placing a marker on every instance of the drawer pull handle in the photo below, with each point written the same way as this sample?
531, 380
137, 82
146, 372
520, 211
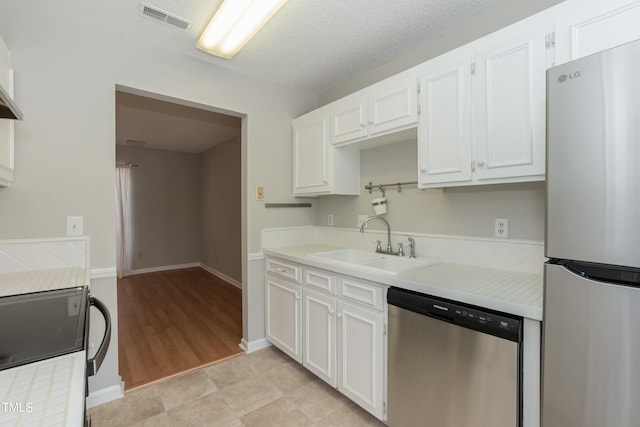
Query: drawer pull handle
280, 270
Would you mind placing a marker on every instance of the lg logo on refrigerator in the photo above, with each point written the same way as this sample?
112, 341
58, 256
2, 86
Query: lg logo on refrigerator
564, 77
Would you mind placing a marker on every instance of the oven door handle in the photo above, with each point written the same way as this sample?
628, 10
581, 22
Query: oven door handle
94, 363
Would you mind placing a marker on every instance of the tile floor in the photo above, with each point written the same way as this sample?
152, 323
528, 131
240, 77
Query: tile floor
264, 388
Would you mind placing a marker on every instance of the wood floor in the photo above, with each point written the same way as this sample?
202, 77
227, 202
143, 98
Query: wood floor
174, 321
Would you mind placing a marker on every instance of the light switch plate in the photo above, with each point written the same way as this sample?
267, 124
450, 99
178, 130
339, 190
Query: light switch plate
74, 226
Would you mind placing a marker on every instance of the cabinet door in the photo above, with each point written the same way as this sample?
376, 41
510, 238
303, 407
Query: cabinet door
311, 153
393, 103
360, 356
444, 136
284, 316
319, 335
592, 27
349, 119
509, 105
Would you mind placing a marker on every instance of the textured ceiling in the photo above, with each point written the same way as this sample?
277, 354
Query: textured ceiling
168, 126
309, 44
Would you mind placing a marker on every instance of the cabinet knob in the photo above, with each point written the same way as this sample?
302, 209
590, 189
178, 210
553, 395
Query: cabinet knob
480, 163
339, 315
423, 170
329, 310
325, 181
297, 297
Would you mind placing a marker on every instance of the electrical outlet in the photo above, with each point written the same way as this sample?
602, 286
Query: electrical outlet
259, 193
330, 219
502, 228
361, 219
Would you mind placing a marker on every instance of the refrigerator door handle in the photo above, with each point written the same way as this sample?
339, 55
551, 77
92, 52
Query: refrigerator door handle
614, 275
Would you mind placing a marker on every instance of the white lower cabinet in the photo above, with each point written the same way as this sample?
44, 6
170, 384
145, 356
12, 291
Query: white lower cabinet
283, 317
320, 335
334, 325
360, 356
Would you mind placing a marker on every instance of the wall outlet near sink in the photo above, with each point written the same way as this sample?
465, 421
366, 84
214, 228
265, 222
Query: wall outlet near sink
502, 228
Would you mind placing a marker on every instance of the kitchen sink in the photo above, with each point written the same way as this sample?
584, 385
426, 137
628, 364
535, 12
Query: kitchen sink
372, 261
351, 256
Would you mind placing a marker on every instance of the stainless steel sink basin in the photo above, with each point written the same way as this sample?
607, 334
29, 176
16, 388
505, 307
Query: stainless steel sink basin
372, 261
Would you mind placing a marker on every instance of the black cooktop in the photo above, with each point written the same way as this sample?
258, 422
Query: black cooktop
42, 325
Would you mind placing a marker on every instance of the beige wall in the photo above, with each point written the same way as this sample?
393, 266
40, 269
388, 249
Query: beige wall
465, 211
221, 215
166, 206
65, 82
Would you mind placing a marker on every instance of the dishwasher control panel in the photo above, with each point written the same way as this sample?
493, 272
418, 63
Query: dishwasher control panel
484, 320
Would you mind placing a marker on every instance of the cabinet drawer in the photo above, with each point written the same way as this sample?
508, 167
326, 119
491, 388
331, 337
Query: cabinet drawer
320, 279
285, 269
362, 292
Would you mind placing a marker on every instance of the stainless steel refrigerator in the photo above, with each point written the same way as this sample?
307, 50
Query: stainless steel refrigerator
591, 325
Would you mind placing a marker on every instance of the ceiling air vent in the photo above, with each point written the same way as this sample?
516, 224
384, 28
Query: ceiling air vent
164, 17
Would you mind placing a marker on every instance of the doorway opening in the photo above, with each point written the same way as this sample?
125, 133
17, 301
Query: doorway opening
180, 288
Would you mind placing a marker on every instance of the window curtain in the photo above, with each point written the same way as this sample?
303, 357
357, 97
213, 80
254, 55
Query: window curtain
124, 223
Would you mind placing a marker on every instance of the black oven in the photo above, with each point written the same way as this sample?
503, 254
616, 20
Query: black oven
48, 324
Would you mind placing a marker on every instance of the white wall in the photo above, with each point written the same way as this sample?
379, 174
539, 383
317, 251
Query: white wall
462, 211
66, 77
166, 206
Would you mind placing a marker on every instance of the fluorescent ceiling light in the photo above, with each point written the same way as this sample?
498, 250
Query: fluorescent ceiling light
235, 22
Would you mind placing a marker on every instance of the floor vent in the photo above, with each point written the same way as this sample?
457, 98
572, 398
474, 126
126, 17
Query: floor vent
164, 17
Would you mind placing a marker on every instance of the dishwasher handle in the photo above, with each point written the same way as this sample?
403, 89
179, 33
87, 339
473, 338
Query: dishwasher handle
93, 364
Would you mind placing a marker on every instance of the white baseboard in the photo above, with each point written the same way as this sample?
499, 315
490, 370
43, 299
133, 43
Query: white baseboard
223, 276
104, 395
250, 347
103, 273
163, 268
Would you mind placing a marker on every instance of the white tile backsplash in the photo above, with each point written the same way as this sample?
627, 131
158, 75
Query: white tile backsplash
43, 254
512, 255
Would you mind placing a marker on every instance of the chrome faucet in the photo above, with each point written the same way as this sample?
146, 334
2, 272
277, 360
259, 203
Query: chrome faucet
378, 248
412, 248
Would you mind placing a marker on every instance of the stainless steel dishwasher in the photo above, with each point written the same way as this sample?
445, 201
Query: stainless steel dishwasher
451, 364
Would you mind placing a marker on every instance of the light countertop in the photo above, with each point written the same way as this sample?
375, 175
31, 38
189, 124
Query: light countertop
23, 282
49, 392
506, 291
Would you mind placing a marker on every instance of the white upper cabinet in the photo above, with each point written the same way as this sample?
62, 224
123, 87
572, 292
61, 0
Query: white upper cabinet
482, 117
509, 93
349, 119
385, 107
393, 103
319, 168
444, 132
591, 26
